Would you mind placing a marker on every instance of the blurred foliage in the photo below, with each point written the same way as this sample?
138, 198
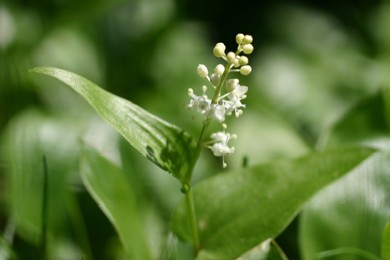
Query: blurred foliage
320, 80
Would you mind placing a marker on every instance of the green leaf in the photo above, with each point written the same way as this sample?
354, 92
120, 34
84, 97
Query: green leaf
385, 247
349, 214
368, 120
237, 210
166, 145
110, 189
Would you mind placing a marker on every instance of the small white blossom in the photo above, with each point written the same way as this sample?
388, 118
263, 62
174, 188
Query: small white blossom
220, 147
201, 104
218, 112
234, 105
239, 92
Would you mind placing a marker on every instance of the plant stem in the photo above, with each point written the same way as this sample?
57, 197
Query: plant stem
186, 184
193, 219
44, 212
279, 250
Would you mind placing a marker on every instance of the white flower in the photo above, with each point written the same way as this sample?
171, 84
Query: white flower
218, 112
239, 92
234, 105
201, 104
220, 147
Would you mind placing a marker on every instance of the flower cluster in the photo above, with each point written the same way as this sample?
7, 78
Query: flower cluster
223, 103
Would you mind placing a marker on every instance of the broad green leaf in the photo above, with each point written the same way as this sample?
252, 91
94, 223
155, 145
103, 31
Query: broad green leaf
238, 210
385, 247
166, 145
110, 189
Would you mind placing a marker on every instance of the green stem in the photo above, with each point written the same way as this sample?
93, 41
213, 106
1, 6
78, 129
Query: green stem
186, 187
193, 219
279, 250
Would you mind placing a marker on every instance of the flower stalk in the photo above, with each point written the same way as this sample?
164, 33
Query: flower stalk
217, 108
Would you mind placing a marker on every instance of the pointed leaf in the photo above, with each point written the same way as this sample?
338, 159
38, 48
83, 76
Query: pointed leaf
110, 189
166, 145
238, 210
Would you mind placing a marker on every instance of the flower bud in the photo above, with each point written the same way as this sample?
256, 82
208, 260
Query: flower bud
245, 70
215, 79
202, 71
236, 63
247, 39
231, 57
219, 69
219, 50
243, 60
231, 84
239, 38
248, 48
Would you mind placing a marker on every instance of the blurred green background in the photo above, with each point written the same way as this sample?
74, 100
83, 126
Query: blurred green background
315, 63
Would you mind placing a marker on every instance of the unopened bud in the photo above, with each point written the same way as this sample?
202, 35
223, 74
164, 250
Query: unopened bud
248, 48
245, 70
239, 38
247, 39
219, 69
219, 50
202, 70
231, 57
215, 79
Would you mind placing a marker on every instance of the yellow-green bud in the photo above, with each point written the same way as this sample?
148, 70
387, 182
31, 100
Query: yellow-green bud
202, 70
239, 38
219, 50
243, 60
248, 48
219, 69
245, 70
231, 57
247, 39
215, 79
231, 84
